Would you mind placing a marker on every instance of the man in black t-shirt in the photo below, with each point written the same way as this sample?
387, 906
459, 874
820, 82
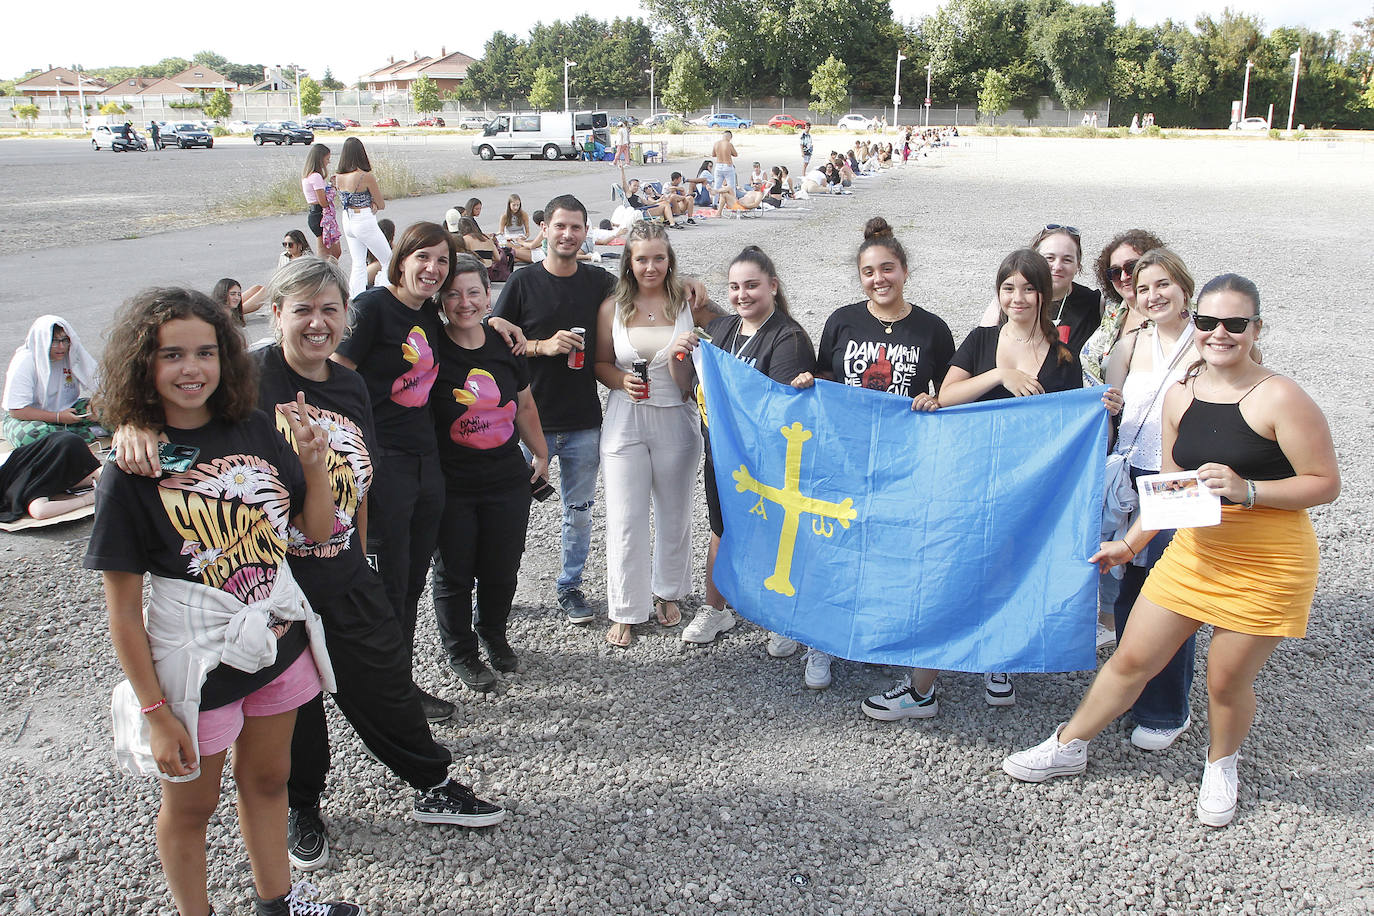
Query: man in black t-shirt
546, 301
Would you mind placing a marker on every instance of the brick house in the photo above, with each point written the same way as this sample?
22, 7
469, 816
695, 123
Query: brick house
57, 81
447, 70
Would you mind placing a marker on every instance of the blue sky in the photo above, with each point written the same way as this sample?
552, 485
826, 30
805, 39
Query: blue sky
351, 37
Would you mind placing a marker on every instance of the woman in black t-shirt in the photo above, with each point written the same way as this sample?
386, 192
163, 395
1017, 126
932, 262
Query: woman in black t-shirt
482, 408
763, 334
883, 343
391, 345
1075, 310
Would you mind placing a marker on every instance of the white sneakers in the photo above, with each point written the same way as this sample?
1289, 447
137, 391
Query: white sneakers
1106, 636
780, 646
1157, 739
998, 689
1216, 800
709, 623
1048, 759
817, 669
901, 702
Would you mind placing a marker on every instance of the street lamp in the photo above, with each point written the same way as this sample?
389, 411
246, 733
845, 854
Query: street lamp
929, 67
567, 64
650, 71
897, 93
1296, 57
1245, 96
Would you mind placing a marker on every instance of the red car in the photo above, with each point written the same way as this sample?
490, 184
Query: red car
387, 122
785, 120
430, 122
349, 122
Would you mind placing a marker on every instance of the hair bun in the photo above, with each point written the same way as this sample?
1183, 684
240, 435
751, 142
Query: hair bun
877, 228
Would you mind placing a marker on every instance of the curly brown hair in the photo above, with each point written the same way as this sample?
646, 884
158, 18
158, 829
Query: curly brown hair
128, 393
1142, 240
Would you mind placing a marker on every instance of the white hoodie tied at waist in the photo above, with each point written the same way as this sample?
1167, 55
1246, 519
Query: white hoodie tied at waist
192, 629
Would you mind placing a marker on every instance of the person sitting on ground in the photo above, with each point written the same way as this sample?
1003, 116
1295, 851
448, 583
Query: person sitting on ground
293, 245
756, 177
885, 156
751, 200
476, 241
452, 216
230, 294
679, 197
842, 169
374, 266
48, 384
46, 478
645, 199
605, 233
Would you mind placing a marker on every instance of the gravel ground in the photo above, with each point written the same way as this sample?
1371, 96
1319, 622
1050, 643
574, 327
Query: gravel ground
667, 779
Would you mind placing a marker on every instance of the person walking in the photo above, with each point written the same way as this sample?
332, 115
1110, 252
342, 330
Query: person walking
808, 146
1258, 441
724, 153
555, 303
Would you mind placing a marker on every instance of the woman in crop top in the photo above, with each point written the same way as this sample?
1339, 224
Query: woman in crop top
1258, 441
319, 197
650, 438
359, 200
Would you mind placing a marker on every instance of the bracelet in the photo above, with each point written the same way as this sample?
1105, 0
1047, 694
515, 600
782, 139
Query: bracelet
1249, 495
155, 707
1128, 547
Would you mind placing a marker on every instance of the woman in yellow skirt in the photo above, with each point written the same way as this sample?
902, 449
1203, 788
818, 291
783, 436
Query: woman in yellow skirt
1258, 441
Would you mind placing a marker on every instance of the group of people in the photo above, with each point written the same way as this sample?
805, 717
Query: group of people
418, 397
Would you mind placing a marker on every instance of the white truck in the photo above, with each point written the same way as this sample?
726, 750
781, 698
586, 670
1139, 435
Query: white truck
549, 134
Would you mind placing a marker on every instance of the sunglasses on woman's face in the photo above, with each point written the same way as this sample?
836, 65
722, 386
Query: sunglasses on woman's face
288, 244
1124, 272
1208, 323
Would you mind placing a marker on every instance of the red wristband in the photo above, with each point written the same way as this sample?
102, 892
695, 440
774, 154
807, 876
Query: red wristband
155, 707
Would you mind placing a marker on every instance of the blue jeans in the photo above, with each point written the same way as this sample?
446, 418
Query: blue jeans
579, 456
1164, 701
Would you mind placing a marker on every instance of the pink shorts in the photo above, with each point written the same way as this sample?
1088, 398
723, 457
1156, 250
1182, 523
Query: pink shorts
293, 688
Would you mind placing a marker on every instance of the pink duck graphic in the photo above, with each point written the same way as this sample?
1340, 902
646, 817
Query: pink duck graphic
412, 389
486, 423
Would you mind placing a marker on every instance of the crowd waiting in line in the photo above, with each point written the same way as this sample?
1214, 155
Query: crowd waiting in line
416, 396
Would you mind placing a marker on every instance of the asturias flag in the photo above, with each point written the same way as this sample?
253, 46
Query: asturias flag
956, 540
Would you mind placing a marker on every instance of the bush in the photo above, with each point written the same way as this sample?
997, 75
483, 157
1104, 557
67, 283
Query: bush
218, 131
1086, 131
674, 126
1153, 131
784, 129
1275, 134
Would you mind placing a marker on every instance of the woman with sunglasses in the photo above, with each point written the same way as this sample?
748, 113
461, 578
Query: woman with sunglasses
1114, 267
1146, 363
1260, 442
293, 245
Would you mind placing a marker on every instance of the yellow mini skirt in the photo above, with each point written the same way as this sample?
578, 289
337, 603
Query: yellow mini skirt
1254, 573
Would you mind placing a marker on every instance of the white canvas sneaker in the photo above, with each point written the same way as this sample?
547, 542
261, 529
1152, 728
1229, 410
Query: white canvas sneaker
1216, 800
1048, 759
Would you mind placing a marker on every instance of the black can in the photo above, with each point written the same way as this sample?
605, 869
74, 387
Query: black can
641, 369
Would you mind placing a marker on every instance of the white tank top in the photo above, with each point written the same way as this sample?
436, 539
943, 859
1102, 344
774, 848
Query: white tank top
1144, 393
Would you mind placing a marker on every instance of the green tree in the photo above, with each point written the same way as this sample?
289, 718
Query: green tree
26, 112
684, 91
216, 62
424, 95
546, 89
310, 96
830, 87
111, 107
329, 82
1074, 44
498, 75
168, 66
995, 97
244, 74
220, 106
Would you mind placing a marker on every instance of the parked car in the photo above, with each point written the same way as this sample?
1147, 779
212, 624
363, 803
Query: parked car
430, 122
728, 121
550, 134
240, 127
280, 132
628, 119
386, 122
184, 134
322, 123
658, 120
117, 138
785, 120
1251, 124
855, 122
701, 121
472, 122
349, 122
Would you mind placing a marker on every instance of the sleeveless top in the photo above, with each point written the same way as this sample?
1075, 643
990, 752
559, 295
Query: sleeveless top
1219, 433
356, 200
663, 391
1144, 393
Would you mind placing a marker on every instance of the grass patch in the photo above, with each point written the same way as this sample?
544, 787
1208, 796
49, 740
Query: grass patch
282, 195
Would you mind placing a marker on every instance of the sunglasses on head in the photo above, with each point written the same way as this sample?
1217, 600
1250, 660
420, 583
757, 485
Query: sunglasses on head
1055, 227
1125, 271
1207, 323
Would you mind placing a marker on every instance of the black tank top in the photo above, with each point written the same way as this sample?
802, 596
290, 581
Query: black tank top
1218, 432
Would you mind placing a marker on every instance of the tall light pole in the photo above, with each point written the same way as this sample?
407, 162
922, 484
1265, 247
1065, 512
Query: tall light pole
1245, 96
897, 92
1296, 57
650, 71
567, 64
930, 66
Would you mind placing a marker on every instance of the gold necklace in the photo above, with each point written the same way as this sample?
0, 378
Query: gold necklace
887, 325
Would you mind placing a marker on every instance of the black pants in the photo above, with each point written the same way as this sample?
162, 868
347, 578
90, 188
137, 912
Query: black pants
403, 511
481, 538
372, 666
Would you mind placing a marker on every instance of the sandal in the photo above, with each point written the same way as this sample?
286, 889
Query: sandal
667, 612
620, 635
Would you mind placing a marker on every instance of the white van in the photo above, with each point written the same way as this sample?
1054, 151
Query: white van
550, 134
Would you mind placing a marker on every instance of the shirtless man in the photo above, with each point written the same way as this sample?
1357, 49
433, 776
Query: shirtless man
724, 153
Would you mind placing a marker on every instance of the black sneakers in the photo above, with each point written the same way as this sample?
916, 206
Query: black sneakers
436, 710
473, 672
455, 803
307, 845
297, 903
502, 656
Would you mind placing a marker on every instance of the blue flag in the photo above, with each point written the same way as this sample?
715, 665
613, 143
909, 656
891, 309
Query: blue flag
956, 540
